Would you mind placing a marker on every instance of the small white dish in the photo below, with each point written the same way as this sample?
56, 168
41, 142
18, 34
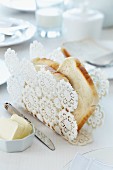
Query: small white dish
18, 145
20, 35
4, 73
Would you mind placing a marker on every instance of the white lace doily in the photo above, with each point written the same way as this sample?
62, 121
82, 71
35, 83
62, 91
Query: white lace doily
52, 101
37, 50
96, 119
83, 138
100, 81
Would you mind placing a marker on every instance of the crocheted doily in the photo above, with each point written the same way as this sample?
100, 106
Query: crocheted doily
97, 75
100, 81
38, 50
52, 101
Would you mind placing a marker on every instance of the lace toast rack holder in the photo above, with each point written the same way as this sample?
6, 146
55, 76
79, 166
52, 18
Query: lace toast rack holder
48, 99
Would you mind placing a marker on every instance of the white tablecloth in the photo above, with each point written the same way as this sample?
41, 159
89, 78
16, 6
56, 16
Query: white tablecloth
39, 157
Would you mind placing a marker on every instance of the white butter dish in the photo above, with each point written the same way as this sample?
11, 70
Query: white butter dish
17, 145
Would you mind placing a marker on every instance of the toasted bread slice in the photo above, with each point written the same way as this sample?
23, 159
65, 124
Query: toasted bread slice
84, 86
44, 61
58, 76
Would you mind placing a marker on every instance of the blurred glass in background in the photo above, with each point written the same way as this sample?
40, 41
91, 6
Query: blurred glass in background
49, 17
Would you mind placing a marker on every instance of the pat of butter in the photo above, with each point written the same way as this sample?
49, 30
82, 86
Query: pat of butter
28, 128
10, 129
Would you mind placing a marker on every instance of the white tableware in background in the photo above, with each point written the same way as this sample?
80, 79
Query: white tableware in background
4, 73
106, 7
91, 50
49, 18
81, 23
104, 155
16, 31
80, 162
5, 23
2, 37
68, 4
11, 25
20, 5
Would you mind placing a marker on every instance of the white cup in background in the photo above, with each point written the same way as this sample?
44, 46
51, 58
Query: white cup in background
49, 17
78, 25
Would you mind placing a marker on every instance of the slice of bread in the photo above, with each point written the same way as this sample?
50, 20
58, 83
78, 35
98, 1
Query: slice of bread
84, 86
44, 61
58, 76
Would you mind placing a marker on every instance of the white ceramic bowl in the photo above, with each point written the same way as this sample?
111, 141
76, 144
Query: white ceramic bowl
17, 145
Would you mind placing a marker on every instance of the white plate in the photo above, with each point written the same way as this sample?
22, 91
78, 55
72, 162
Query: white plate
104, 155
4, 73
26, 5
19, 36
91, 50
21, 5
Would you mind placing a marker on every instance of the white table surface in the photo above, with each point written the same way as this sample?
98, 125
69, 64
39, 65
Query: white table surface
39, 157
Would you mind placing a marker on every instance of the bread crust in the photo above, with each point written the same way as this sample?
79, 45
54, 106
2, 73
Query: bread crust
73, 71
84, 72
65, 52
45, 61
84, 86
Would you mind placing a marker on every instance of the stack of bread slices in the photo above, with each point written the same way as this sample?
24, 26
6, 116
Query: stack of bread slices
74, 72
